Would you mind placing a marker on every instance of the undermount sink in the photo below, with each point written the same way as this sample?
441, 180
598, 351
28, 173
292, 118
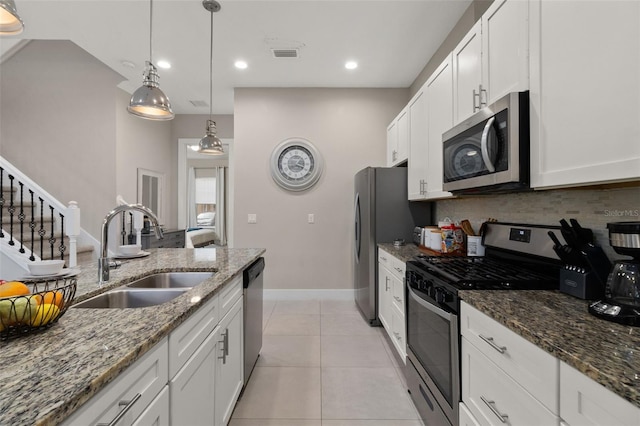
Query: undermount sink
171, 280
151, 290
131, 298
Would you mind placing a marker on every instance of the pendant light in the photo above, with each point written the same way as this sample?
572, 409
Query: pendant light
149, 101
10, 22
210, 143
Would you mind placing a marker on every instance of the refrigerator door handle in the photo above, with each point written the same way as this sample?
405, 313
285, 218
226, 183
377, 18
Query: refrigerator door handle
358, 228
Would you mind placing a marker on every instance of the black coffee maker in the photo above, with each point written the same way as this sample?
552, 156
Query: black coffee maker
622, 293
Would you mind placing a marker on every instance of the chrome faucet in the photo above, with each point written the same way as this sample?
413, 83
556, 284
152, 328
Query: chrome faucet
103, 262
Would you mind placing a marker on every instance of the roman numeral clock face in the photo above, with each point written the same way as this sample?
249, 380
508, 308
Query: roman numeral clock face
296, 165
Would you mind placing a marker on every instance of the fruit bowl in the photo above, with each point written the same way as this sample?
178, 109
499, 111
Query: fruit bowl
34, 306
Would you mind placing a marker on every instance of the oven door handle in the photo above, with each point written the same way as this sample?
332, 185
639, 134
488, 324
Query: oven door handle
484, 145
431, 307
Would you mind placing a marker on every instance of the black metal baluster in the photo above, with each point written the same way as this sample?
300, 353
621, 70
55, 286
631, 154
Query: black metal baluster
1, 201
11, 211
32, 225
52, 238
123, 232
62, 248
21, 217
42, 232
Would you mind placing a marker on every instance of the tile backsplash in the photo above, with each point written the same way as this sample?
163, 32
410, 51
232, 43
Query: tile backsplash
593, 208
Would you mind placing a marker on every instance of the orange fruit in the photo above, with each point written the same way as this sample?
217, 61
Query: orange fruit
13, 288
44, 315
51, 297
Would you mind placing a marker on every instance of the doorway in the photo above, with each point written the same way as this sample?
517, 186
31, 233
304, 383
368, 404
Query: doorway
207, 167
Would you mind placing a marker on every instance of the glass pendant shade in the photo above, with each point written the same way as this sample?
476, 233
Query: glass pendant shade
10, 22
210, 144
149, 101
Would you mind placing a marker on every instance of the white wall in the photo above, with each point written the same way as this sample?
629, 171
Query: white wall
348, 127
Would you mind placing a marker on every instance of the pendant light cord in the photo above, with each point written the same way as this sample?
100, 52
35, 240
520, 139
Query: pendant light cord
211, 73
150, 31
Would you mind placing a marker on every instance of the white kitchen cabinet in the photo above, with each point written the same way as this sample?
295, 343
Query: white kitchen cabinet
587, 403
585, 92
495, 398
398, 139
492, 59
439, 88
230, 363
193, 387
129, 395
157, 413
465, 416
418, 158
391, 282
467, 73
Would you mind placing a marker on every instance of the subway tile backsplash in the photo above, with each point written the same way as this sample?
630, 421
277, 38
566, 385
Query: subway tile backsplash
593, 208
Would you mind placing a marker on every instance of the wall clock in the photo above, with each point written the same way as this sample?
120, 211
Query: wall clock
296, 164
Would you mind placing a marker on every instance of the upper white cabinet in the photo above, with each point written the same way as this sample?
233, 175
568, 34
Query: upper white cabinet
492, 59
418, 163
585, 92
398, 139
467, 74
439, 90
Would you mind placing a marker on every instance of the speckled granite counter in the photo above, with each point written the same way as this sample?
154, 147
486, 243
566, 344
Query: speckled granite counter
44, 377
607, 352
404, 253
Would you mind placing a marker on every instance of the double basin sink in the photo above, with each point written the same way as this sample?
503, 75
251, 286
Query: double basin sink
147, 291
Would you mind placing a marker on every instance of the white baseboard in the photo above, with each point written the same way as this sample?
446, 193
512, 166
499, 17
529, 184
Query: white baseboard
321, 294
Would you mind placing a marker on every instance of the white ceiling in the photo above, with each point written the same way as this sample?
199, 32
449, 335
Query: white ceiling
391, 40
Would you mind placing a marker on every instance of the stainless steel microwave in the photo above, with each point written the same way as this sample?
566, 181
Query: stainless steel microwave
489, 151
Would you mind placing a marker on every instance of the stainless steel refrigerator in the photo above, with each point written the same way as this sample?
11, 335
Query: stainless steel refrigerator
382, 215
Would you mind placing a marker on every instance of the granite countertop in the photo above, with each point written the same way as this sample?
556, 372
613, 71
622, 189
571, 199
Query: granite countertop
46, 376
405, 253
561, 325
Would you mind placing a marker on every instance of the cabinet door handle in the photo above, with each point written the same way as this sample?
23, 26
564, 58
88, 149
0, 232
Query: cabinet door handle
394, 155
483, 90
476, 96
491, 404
386, 283
225, 346
493, 344
126, 407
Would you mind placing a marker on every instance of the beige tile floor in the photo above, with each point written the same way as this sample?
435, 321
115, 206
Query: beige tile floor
322, 365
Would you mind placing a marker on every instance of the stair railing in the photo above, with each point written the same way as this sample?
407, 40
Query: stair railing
35, 222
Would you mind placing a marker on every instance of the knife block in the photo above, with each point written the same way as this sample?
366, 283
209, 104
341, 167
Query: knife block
580, 283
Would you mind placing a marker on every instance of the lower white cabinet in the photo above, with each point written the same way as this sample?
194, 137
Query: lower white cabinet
230, 363
157, 413
391, 271
130, 395
583, 402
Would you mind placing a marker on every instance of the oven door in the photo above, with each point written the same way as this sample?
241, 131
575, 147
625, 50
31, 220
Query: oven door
432, 342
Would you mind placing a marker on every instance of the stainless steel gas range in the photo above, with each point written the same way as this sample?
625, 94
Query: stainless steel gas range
518, 257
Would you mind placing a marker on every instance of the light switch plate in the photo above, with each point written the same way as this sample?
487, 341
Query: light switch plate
252, 218
311, 218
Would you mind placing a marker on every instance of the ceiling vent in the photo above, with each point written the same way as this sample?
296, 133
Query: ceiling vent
199, 103
285, 53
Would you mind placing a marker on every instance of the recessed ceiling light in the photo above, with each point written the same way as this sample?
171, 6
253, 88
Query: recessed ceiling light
241, 65
164, 64
128, 64
351, 65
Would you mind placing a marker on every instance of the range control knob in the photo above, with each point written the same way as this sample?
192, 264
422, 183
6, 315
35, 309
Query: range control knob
443, 296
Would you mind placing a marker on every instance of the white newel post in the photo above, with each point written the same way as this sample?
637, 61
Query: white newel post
138, 223
73, 231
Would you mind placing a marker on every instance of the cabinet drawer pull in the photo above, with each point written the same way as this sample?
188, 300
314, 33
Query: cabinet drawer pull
398, 269
126, 407
397, 298
386, 283
493, 344
384, 259
395, 333
476, 95
491, 404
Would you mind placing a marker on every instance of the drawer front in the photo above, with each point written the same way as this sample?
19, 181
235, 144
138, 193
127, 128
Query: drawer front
130, 393
399, 333
583, 402
536, 370
185, 340
466, 418
393, 264
384, 258
230, 294
157, 413
494, 398
397, 286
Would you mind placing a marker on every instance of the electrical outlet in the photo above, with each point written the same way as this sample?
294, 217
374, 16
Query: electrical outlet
252, 218
311, 218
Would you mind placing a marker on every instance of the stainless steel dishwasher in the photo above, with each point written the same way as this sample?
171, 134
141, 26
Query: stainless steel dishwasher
253, 287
